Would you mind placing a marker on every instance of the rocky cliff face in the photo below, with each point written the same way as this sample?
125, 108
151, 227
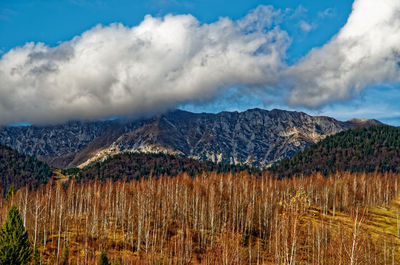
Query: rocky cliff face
57, 145
256, 136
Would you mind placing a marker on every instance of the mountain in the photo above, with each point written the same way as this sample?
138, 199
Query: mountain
376, 148
257, 137
133, 166
19, 169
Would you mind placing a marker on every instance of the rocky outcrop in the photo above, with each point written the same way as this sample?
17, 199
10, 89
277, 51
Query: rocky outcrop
258, 137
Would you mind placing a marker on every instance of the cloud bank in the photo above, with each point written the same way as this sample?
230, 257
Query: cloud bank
163, 62
366, 51
117, 70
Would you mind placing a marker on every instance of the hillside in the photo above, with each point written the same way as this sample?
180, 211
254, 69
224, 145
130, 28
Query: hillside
20, 170
233, 219
133, 166
255, 137
376, 148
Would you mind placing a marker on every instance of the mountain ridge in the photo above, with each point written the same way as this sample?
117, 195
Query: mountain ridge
256, 137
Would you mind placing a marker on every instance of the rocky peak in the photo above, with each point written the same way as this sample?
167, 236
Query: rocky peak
255, 136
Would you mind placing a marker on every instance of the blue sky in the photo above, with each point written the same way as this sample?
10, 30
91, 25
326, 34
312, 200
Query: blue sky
309, 24
55, 21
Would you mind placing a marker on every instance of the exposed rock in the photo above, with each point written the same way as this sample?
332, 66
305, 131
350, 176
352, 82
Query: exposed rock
255, 136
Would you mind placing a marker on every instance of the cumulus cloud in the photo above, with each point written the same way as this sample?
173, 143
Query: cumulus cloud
168, 61
366, 51
117, 70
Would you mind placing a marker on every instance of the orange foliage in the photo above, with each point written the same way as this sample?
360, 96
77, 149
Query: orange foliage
210, 219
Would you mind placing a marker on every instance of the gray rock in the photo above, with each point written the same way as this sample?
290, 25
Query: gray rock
258, 137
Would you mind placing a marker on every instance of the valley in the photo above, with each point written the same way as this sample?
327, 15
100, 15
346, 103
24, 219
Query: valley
140, 205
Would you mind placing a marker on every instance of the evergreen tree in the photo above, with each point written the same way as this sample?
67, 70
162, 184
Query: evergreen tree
103, 259
36, 256
10, 193
14, 242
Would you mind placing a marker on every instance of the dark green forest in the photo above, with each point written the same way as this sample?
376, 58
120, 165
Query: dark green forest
132, 166
19, 170
376, 148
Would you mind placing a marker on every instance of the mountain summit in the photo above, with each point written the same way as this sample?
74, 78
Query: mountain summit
256, 136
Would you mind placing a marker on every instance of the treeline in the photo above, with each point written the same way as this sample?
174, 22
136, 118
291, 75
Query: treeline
213, 219
132, 166
20, 170
376, 148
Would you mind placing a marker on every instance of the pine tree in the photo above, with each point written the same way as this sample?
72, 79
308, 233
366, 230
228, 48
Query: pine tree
14, 242
103, 259
36, 256
10, 192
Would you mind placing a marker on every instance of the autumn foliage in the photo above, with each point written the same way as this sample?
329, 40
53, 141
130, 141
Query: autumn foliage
214, 219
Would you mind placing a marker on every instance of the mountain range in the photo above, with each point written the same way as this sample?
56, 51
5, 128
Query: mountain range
255, 137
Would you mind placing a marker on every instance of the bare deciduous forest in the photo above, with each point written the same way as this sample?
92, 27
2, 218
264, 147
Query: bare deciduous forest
216, 219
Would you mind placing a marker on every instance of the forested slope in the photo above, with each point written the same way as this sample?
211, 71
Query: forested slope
211, 219
133, 166
376, 148
20, 170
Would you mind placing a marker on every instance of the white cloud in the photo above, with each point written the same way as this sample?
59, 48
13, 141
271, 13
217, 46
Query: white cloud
164, 62
329, 12
305, 26
300, 11
117, 70
366, 51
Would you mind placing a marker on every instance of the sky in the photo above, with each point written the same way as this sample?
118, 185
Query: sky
80, 59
